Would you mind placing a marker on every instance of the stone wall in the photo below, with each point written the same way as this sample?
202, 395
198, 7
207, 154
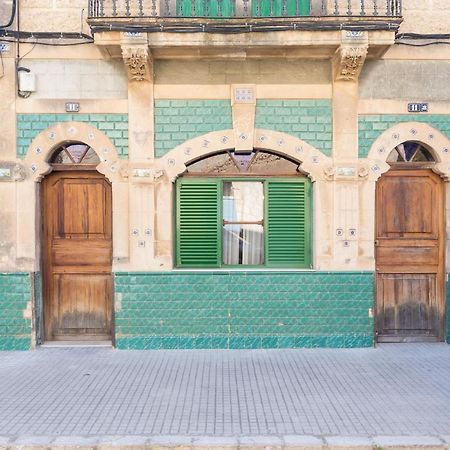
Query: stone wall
405, 80
425, 16
78, 79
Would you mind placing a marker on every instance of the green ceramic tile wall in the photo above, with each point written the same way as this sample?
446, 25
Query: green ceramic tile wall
15, 329
177, 121
115, 126
243, 309
309, 120
371, 126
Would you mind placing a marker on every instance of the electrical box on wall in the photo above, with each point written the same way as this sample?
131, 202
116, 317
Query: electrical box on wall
27, 81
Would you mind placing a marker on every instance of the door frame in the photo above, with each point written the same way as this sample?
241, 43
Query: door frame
36, 166
441, 275
45, 307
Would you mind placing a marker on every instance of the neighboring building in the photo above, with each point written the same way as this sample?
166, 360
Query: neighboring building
239, 174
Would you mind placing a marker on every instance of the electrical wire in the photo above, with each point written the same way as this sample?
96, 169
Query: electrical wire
247, 27
410, 39
45, 38
3, 65
51, 44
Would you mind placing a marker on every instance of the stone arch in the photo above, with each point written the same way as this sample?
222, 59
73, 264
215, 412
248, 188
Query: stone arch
44, 144
311, 160
423, 133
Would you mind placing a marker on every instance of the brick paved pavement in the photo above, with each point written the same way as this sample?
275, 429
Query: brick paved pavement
395, 391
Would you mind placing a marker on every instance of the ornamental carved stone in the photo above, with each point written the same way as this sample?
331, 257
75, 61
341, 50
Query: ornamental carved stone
348, 62
138, 62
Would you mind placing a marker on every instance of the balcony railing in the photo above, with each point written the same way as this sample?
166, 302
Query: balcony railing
243, 9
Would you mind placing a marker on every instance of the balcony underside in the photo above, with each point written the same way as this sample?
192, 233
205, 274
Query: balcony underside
296, 44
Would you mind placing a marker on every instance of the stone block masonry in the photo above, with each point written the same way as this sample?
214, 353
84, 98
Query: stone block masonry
237, 310
115, 126
177, 121
371, 126
309, 120
15, 311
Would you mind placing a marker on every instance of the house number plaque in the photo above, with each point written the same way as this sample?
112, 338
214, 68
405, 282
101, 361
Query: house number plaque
417, 107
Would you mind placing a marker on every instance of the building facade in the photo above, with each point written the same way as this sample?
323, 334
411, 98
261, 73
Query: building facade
224, 174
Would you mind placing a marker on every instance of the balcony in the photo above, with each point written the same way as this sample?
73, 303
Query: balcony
213, 15
244, 28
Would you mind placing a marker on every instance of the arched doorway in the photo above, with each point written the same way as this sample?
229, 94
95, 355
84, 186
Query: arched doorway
76, 246
409, 247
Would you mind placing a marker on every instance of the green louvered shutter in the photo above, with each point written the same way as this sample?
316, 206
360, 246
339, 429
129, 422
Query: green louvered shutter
205, 8
280, 8
198, 223
288, 230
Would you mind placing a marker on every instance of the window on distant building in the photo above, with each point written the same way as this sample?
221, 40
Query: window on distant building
256, 211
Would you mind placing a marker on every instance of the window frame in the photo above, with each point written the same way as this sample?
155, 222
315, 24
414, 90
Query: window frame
308, 233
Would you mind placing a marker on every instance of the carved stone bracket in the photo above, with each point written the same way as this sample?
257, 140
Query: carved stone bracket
348, 62
139, 63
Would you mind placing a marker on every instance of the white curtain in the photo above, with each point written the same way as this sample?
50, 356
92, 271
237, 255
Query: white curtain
243, 243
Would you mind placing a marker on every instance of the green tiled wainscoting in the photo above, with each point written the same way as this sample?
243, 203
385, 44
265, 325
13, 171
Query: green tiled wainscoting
309, 120
115, 126
15, 293
228, 309
371, 126
38, 304
448, 312
177, 121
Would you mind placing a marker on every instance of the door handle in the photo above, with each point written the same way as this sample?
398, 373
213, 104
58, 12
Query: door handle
376, 242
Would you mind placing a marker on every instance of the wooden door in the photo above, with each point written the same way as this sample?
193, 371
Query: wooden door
409, 252
77, 254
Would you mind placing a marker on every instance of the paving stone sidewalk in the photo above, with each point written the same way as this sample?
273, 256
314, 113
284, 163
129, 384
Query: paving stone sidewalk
395, 394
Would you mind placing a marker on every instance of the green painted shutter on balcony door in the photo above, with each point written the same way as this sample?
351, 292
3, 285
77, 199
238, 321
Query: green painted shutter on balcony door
198, 223
205, 8
288, 223
280, 8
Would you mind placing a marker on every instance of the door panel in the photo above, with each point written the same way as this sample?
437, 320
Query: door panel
83, 304
77, 255
408, 304
409, 256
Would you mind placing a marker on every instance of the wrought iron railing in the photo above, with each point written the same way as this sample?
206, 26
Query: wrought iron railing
223, 9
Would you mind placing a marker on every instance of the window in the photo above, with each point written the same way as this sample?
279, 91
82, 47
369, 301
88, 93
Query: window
243, 222
234, 222
410, 152
74, 153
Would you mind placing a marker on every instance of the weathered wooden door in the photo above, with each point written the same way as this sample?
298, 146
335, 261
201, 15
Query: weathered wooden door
77, 254
409, 251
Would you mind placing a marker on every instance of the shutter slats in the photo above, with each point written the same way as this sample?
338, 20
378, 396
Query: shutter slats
288, 229
198, 232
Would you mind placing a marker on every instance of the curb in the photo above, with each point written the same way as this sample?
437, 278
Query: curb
300, 442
